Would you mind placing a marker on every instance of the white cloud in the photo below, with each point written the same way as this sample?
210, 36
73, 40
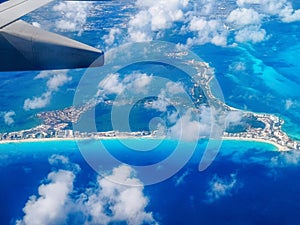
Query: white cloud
56, 79
44, 74
138, 82
155, 16
281, 8
56, 159
208, 31
233, 118
114, 84
8, 117
111, 37
219, 187
174, 88
170, 91
161, 103
61, 161
74, 15
252, 34
117, 197
242, 17
37, 102
120, 193
52, 204
247, 25
190, 126
244, 2
207, 21
185, 123
139, 29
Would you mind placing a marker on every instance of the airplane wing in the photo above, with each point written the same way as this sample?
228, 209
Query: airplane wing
25, 47
12, 10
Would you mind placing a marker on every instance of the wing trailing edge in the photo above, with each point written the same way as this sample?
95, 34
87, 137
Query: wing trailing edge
25, 47
12, 10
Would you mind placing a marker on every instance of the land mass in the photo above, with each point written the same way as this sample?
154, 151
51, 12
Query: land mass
57, 125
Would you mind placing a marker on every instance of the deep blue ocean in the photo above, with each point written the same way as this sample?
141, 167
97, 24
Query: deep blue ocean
248, 183
264, 191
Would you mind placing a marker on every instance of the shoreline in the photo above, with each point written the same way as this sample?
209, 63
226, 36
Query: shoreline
35, 140
279, 147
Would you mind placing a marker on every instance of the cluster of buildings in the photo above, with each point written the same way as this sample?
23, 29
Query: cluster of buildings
39, 132
272, 132
59, 131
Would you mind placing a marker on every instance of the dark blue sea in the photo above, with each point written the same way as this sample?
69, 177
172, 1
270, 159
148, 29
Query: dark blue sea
248, 183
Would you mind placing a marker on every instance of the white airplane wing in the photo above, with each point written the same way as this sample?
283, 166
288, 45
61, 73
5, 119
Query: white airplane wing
12, 10
25, 47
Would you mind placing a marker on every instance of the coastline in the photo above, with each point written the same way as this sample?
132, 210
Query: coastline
279, 147
36, 140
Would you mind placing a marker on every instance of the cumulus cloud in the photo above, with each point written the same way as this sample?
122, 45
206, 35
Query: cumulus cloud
119, 193
117, 197
74, 15
60, 161
138, 82
161, 103
155, 16
114, 84
169, 92
174, 88
233, 118
8, 117
247, 25
56, 79
191, 126
53, 203
281, 8
37, 102
252, 34
43, 74
219, 187
207, 31
207, 21
110, 38
242, 17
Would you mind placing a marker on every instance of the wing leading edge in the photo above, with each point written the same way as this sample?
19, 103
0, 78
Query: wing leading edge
25, 47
